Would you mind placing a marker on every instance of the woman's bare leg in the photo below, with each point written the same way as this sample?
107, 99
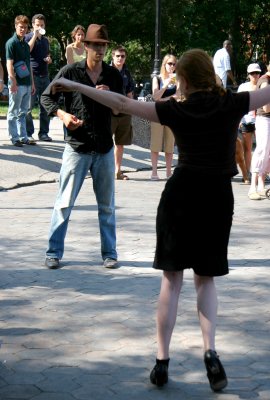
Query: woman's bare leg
207, 305
168, 159
247, 145
154, 160
167, 310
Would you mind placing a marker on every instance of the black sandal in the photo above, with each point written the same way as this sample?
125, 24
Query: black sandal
159, 374
215, 371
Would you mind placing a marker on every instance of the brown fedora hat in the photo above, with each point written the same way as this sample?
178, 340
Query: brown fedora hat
96, 33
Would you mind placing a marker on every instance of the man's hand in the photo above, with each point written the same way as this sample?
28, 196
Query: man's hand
13, 87
48, 59
71, 122
102, 87
36, 32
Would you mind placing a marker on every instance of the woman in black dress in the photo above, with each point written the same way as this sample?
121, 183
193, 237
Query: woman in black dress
196, 208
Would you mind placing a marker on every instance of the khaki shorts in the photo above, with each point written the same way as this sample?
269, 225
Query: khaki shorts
162, 138
122, 129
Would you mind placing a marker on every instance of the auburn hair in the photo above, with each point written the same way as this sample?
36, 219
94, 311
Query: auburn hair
197, 68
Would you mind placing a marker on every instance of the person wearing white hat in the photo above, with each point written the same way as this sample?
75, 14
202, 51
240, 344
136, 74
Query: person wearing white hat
247, 125
260, 163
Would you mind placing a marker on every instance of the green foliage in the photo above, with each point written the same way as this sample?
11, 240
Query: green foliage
139, 60
184, 24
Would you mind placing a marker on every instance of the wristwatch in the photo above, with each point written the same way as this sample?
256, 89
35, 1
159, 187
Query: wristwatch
1, 80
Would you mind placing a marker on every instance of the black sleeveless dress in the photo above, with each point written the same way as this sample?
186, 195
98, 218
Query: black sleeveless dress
196, 208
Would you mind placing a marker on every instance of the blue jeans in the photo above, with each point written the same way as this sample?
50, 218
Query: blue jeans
75, 167
17, 109
41, 84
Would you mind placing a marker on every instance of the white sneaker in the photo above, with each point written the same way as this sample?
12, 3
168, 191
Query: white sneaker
31, 140
254, 196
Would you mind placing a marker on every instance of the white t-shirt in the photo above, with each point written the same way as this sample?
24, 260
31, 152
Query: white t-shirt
222, 64
250, 117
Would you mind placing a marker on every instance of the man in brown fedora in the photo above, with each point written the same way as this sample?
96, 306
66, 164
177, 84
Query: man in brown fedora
89, 147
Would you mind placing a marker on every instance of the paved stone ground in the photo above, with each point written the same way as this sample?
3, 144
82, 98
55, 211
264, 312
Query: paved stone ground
86, 333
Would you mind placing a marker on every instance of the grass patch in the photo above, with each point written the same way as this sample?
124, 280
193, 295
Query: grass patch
4, 110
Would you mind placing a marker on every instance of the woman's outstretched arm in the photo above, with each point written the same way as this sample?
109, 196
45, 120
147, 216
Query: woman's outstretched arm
259, 98
117, 102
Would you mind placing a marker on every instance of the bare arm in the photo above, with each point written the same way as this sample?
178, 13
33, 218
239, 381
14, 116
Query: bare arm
230, 75
260, 98
115, 101
69, 55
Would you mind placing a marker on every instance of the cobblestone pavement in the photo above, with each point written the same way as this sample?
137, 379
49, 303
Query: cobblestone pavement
87, 333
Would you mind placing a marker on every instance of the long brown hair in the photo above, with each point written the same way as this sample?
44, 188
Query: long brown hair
75, 30
197, 68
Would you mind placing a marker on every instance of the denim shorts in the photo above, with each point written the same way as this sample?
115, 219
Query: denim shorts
247, 128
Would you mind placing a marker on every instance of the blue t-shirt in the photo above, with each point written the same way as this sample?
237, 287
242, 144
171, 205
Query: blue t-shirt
40, 51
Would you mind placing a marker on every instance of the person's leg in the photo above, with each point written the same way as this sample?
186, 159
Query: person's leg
12, 115
29, 118
154, 161
166, 316
73, 171
168, 148
167, 310
24, 106
155, 146
260, 158
118, 156
240, 160
168, 158
44, 119
123, 134
207, 304
247, 141
261, 184
103, 172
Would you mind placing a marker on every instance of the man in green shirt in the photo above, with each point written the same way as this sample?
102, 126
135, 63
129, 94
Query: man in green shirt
20, 88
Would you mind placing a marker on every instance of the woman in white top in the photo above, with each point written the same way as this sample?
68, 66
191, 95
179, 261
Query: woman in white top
76, 51
247, 125
260, 163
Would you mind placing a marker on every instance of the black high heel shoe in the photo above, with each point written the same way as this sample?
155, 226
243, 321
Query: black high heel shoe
215, 371
159, 374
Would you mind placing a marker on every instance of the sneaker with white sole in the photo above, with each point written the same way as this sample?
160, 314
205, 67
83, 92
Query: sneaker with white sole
110, 263
31, 140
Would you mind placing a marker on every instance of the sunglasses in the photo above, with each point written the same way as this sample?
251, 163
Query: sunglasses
254, 73
171, 64
120, 55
